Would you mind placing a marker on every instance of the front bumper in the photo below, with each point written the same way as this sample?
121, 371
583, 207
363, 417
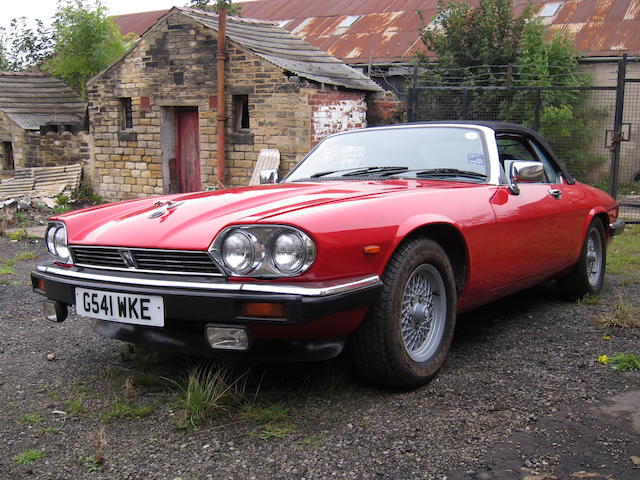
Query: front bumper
193, 302
616, 228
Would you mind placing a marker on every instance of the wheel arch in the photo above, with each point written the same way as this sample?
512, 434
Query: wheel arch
450, 238
599, 213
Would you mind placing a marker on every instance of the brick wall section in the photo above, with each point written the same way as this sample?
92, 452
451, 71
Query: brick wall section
31, 149
11, 132
55, 149
336, 111
174, 65
385, 109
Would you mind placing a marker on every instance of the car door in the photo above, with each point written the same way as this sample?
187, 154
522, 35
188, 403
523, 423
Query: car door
534, 225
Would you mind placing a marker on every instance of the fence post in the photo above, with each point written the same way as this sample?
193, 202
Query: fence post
617, 126
465, 103
412, 97
536, 117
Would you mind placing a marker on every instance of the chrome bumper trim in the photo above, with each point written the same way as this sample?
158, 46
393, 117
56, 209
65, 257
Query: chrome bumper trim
616, 228
317, 289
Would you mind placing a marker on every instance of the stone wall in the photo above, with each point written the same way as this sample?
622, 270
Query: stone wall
173, 66
31, 149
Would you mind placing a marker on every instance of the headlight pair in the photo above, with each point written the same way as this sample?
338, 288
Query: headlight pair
56, 240
264, 251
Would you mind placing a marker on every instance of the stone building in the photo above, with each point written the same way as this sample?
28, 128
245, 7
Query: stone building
153, 112
42, 122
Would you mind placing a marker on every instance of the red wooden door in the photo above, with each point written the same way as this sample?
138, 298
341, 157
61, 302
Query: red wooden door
188, 150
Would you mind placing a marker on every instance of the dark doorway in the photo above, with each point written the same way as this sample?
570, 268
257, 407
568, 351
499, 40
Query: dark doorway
7, 156
187, 150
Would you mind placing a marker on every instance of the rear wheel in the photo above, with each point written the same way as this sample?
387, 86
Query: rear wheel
587, 276
407, 334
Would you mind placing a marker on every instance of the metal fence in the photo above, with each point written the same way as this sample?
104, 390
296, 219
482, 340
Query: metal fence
589, 128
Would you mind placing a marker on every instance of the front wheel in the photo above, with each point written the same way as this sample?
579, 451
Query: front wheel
406, 336
587, 275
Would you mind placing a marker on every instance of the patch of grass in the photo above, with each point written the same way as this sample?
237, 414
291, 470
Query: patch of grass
625, 362
30, 418
589, 299
19, 235
623, 255
28, 456
208, 390
25, 256
48, 430
624, 315
76, 406
121, 409
98, 441
274, 420
5, 270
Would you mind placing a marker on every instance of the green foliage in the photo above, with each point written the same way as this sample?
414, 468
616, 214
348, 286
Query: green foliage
623, 255
29, 456
215, 6
488, 46
625, 362
208, 390
122, 409
87, 41
24, 45
30, 418
274, 420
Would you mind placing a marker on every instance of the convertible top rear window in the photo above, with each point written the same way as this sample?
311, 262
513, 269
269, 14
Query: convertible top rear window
442, 151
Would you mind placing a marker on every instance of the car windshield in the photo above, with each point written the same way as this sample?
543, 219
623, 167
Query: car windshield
443, 152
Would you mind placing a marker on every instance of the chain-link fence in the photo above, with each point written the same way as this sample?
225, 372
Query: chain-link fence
591, 129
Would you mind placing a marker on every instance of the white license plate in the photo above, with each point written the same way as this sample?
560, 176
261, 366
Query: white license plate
120, 307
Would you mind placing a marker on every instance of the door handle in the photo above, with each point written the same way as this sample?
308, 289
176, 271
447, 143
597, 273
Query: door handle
555, 193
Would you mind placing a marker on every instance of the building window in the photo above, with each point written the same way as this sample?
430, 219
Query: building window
549, 10
241, 113
7, 156
126, 117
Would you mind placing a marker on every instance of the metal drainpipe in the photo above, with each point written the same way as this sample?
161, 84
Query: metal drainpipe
221, 117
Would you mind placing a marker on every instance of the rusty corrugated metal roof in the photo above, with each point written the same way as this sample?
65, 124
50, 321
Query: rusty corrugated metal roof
137, 23
34, 99
388, 30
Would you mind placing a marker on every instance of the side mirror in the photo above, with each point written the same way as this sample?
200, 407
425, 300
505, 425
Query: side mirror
523, 171
269, 176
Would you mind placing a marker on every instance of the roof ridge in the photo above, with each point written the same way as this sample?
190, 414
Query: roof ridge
26, 74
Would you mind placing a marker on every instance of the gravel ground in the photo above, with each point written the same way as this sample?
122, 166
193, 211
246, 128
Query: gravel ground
520, 397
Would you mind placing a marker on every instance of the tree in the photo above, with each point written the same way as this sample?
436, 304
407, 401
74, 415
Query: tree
488, 46
216, 6
86, 42
25, 45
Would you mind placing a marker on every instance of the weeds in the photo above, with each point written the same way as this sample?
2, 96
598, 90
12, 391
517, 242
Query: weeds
122, 409
624, 315
274, 420
625, 362
26, 256
30, 418
209, 389
48, 430
98, 441
28, 456
589, 299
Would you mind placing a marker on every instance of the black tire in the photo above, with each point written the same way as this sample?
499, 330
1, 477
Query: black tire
587, 275
418, 298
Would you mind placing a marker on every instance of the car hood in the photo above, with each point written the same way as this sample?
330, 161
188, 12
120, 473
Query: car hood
191, 221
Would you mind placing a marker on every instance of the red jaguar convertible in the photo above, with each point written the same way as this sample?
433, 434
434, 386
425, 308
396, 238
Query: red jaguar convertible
376, 240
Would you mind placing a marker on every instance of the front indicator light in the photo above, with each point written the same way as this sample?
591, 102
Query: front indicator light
227, 338
263, 310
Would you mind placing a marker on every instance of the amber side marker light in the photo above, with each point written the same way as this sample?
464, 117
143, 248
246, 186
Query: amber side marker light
371, 249
40, 284
264, 310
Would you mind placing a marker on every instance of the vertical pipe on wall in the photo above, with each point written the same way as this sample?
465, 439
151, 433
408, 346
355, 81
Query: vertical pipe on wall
221, 117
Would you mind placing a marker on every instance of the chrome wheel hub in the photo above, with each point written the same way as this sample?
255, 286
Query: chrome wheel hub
594, 257
423, 312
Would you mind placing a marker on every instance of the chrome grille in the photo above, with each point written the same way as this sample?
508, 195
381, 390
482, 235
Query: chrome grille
168, 261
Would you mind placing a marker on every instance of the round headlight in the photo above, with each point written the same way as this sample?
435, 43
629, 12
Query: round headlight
51, 231
289, 252
60, 243
239, 252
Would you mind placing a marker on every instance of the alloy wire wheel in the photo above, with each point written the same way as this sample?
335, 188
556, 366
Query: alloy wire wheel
423, 312
405, 338
587, 275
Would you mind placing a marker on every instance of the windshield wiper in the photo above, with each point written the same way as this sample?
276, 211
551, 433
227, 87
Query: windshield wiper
362, 171
448, 172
